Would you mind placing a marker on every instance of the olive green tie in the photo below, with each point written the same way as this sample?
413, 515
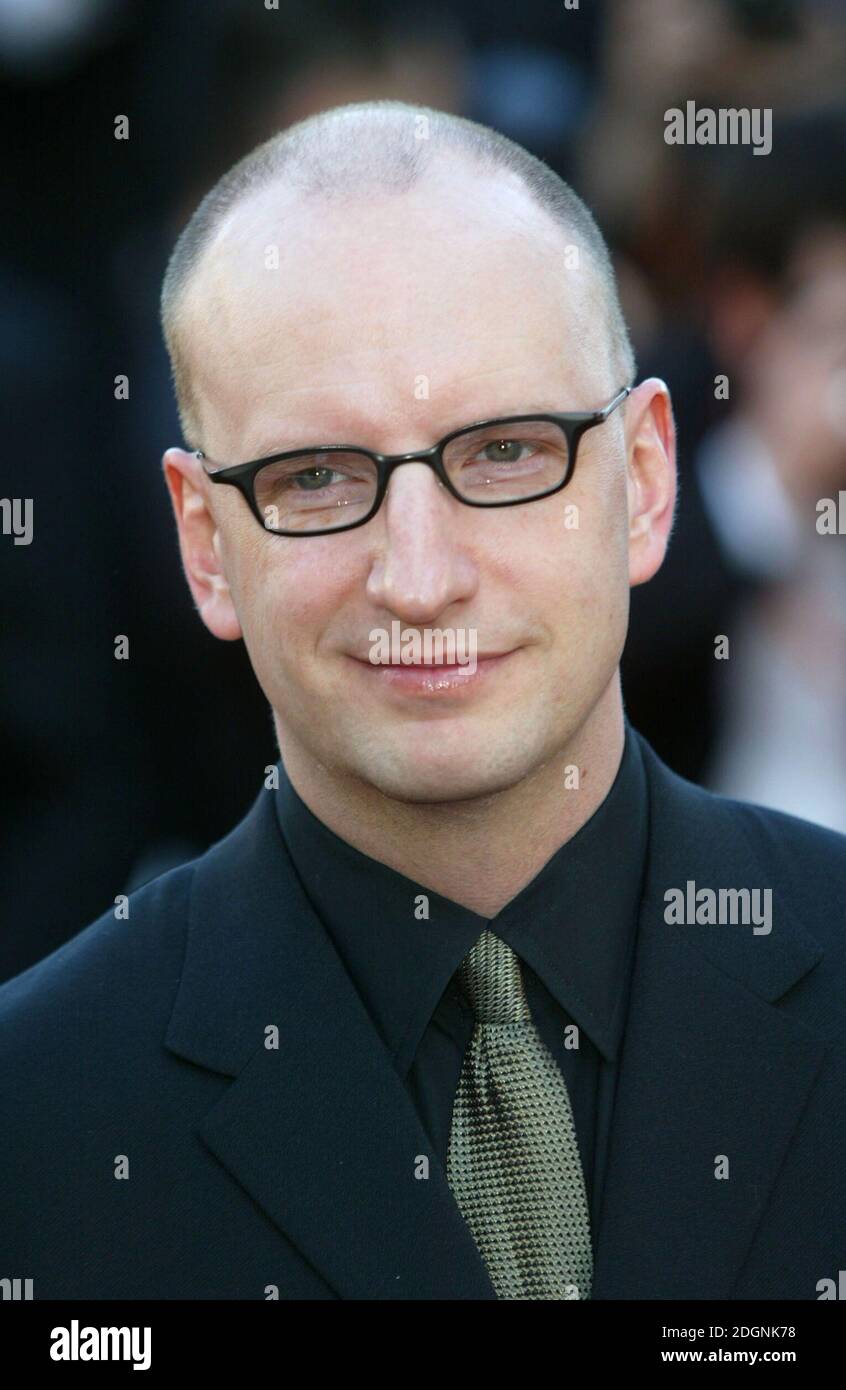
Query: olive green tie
513, 1160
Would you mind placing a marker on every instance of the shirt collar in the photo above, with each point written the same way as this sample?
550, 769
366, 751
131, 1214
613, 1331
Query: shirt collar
573, 924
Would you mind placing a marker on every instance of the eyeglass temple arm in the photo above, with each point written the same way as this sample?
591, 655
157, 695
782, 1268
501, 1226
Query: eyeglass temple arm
612, 405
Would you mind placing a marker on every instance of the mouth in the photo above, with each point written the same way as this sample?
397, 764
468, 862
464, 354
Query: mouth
431, 680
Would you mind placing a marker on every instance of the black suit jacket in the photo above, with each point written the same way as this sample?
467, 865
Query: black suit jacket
254, 1169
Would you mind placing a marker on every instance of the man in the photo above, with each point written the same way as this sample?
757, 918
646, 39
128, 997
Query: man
480, 1000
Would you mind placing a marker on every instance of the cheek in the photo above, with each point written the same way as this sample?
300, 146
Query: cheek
604, 533
293, 592
575, 564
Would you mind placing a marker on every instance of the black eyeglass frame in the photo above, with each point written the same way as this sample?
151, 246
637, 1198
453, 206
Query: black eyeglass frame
573, 423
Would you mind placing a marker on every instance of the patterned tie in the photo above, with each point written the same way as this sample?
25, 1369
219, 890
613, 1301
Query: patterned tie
513, 1160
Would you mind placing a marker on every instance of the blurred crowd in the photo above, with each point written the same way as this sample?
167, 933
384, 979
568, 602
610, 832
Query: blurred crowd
732, 271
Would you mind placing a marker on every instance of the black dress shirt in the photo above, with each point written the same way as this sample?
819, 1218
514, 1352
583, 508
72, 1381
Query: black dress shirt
573, 927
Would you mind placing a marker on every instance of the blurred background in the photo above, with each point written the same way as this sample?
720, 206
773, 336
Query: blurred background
733, 277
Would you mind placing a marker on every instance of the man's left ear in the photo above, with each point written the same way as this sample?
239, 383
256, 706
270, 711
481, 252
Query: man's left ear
651, 476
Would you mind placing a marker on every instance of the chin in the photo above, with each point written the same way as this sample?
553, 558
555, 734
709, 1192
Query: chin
459, 778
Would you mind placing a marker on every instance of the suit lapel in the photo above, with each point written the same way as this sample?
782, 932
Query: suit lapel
320, 1131
710, 1066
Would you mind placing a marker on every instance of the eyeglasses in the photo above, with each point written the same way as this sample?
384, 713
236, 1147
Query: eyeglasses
336, 487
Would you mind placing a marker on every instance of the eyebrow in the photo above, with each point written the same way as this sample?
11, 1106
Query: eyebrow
273, 446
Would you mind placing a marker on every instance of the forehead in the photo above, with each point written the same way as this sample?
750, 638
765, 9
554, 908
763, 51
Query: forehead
316, 316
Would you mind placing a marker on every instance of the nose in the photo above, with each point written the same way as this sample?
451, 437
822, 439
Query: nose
421, 565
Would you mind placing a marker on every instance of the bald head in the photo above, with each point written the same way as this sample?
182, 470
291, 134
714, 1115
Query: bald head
349, 158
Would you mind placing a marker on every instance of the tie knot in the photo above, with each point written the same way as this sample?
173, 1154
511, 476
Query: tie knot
491, 978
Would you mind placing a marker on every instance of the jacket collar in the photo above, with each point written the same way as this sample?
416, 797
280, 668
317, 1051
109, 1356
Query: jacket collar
323, 1135
572, 924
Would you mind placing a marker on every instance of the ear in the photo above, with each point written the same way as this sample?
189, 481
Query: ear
651, 463
199, 543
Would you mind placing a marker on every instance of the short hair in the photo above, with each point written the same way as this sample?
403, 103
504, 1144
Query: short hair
371, 146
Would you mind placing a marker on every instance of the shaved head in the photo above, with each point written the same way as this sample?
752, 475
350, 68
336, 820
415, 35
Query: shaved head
346, 156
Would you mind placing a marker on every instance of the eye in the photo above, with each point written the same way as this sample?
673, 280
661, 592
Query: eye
311, 479
504, 450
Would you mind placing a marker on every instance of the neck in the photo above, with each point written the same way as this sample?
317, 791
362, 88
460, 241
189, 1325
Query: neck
477, 853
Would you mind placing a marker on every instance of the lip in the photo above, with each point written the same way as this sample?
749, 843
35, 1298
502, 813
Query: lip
433, 681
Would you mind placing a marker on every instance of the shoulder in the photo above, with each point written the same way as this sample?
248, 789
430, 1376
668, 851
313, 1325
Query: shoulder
769, 830
791, 843
804, 863
797, 850
118, 972
113, 986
